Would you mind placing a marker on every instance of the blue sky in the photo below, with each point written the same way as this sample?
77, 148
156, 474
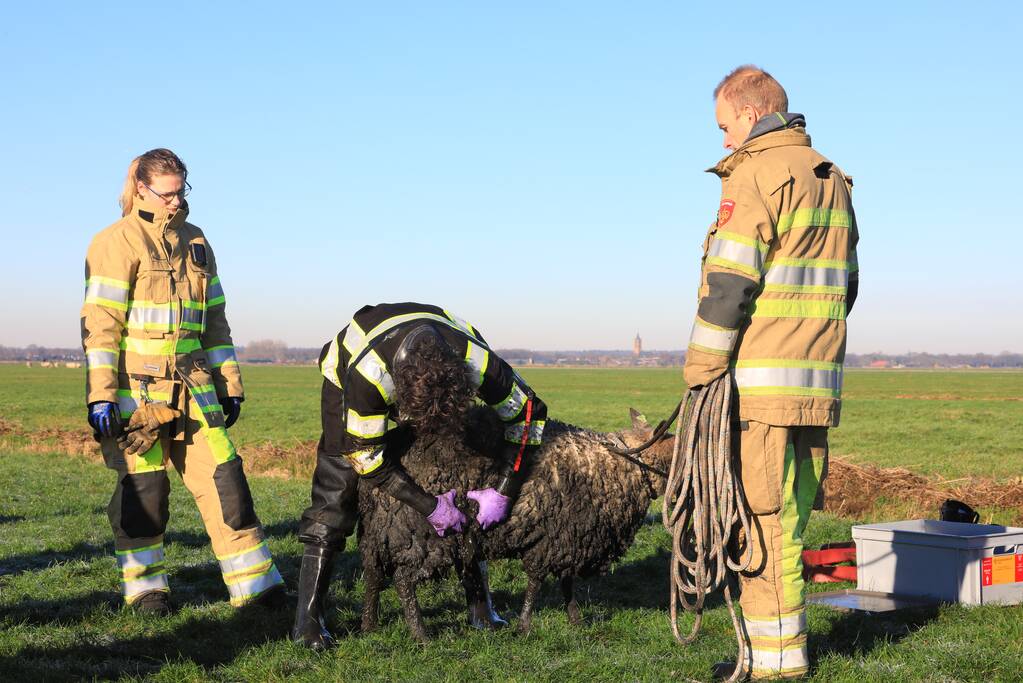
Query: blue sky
535, 167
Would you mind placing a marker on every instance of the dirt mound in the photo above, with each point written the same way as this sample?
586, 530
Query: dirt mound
853, 490
7, 427
267, 459
296, 461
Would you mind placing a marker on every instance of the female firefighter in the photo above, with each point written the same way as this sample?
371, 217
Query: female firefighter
163, 384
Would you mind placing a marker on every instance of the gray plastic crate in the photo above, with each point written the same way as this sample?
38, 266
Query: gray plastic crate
972, 564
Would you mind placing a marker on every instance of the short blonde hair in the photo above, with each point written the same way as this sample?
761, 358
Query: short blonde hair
751, 85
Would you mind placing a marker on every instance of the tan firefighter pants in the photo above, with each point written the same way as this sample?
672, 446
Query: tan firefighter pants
782, 472
212, 471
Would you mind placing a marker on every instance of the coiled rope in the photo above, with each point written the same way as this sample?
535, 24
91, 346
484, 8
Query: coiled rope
704, 508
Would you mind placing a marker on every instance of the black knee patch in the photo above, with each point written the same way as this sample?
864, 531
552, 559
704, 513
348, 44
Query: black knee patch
235, 497
312, 532
142, 511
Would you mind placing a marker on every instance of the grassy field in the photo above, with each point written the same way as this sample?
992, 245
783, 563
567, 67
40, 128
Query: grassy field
60, 618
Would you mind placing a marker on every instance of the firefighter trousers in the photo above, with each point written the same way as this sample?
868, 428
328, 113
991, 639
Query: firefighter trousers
783, 469
333, 511
212, 471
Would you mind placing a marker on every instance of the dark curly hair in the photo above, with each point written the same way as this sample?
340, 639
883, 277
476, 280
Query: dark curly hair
432, 389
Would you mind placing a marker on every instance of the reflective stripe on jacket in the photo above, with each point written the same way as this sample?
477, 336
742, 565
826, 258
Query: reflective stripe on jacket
778, 277
154, 308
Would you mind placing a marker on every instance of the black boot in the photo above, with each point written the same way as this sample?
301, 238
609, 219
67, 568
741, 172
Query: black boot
310, 629
153, 602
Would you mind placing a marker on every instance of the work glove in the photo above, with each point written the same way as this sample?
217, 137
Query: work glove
446, 516
494, 507
232, 406
143, 429
105, 418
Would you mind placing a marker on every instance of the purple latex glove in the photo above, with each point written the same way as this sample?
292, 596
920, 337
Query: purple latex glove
494, 507
446, 516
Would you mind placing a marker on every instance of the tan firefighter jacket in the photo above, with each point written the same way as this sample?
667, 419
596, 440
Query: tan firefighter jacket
779, 275
154, 311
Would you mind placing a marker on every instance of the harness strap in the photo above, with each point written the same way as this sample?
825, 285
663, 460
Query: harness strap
525, 433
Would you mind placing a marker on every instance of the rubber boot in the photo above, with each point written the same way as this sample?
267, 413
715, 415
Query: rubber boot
481, 605
310, 629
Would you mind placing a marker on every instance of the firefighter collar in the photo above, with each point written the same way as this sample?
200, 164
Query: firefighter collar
781, 137
158, 216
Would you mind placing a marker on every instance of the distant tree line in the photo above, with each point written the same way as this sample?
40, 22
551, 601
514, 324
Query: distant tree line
917, 359
40, 353
276, 351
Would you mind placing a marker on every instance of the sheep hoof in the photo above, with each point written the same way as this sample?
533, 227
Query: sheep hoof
483, 617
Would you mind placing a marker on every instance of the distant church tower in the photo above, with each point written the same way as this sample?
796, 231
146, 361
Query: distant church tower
637, 345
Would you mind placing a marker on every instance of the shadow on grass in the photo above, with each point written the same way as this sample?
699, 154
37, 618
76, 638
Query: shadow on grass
642, 584
10, 519
16, 564
855, 634
65, 611
208, 640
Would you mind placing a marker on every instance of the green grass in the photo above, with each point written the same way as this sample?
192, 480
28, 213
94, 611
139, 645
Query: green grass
945, 423
60, 617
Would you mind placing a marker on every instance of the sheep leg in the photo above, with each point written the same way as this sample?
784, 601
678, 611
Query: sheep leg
571, 606
410, 605
371, 601
477, 596
529, 602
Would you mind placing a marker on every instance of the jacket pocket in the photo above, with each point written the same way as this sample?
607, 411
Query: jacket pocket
762, 457
154, 282
150, 366
707, 240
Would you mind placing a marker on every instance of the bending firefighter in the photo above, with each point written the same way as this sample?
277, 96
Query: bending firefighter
779, 277
395, 373
160, 357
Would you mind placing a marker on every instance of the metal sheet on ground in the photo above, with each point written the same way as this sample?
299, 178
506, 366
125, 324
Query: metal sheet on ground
852, 600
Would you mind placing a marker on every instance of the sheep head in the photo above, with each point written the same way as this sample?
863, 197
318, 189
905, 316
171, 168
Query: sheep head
659, 454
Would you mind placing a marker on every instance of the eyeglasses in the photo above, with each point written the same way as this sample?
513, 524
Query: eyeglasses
168, 196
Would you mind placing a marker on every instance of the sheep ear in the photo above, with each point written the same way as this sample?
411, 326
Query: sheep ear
639, 420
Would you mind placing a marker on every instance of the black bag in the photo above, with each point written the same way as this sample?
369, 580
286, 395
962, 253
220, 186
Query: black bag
958, 511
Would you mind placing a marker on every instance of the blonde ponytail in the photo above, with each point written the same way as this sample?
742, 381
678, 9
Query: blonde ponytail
127, 199
145, 167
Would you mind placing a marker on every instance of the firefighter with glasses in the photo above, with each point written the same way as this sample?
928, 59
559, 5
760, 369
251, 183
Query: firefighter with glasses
163, 385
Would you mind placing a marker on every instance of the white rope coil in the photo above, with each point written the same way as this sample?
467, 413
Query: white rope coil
704, 511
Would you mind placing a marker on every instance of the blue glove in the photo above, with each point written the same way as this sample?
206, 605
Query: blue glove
232, 406
105, 418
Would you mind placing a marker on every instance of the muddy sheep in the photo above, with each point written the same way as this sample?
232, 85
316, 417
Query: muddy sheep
577, 513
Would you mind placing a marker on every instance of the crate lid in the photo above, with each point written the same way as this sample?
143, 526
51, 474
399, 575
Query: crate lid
937, 533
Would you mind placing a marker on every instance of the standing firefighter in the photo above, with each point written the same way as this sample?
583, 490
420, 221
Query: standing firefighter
159, 356
397, 372
779, 276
